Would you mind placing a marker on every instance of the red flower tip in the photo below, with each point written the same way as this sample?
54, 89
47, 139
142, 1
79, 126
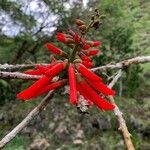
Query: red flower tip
85, 58
50, 87
86, 46
61, 38
34, 88
95, 98
96, 43
88, 73
102, 88
76, 38
84, 94
33, 72
87, 64
91, 52
57, 68
72, 83
54, 49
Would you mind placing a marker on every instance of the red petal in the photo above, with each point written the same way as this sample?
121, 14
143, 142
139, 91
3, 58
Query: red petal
55, 69
34, 88
95, 98
61, 38
52, 86
96, 43
84, 94
86, 46
76, 38
72, 83
91, 52
87, 64
33, 72
54, 49
85, 58
88, 74
101, 87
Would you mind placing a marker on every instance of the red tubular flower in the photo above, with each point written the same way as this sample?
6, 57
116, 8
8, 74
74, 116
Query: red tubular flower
83, 93
42, 68
55, 69
55, 49
39, 71
33, 72
76, 38
87, 64
85, 58
72, 83
96, 43
50, 87
95, 98
64, 39
86, 46
91, 52
64, 35
101, 87
87, 73
34, 89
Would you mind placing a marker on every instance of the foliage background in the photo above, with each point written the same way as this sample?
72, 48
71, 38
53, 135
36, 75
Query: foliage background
25, 26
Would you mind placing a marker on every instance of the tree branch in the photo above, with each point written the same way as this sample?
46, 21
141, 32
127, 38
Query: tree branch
28, 118
120, 65
122, 124
18, 75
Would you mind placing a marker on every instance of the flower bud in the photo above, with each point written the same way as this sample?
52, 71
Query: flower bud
91, 52
95, 98
34, 88
82, 27
54, 49
88, 73
72, 83
79, 22
55, 69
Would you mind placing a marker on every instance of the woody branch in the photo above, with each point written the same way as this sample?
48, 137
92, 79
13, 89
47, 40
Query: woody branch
35, 112
122, 124
18, 75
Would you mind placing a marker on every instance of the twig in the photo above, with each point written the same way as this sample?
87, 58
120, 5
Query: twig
25, 122
18, 75
17, 66
122, 124
119, 65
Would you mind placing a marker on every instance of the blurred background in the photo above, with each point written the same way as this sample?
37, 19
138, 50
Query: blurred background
26, 25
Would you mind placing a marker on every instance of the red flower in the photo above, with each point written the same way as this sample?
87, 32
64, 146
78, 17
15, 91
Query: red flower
34, 88
84, 94
87, 73
95, 98
87, 64
86, 46
39, 71
96, 43
72, 83
91, 52
51, 86
55, 49
77, 62
85, 58
101, 87
55, 69
76, 38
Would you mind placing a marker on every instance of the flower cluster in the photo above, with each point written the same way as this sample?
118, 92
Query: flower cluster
76, 71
